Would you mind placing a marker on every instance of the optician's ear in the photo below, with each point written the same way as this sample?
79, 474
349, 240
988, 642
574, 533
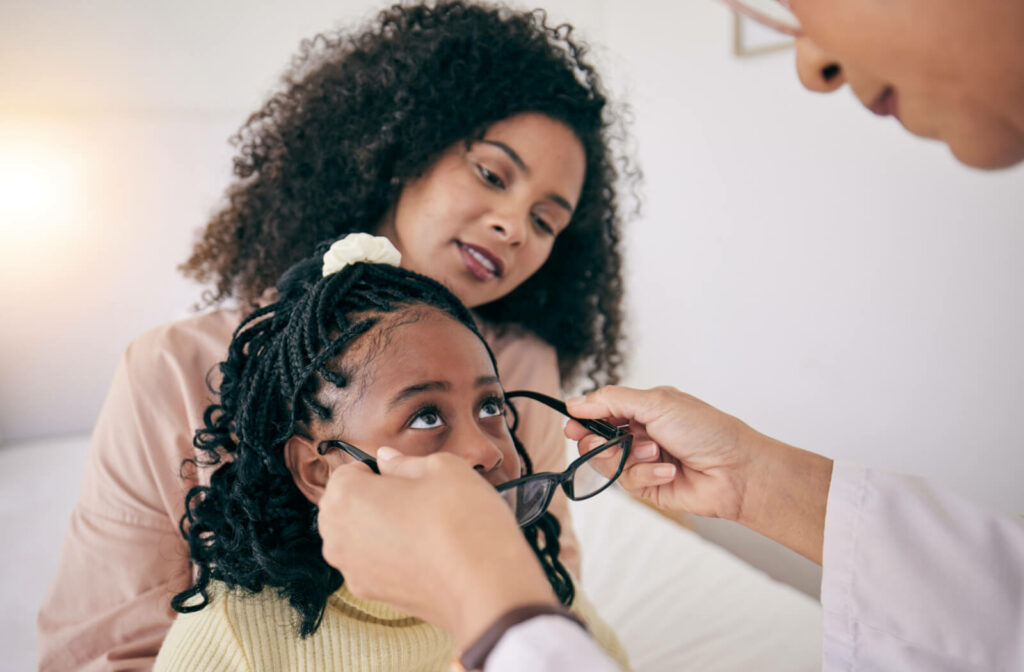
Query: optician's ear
310, 470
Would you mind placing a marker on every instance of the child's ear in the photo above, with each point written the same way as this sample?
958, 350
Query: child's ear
310, 470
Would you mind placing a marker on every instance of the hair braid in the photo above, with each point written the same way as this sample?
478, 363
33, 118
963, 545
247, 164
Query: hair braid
251, 527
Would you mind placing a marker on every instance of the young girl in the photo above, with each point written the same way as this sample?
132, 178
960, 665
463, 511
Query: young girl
477, 140
371, 355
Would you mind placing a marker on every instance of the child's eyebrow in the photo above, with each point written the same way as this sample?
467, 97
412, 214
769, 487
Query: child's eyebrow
413, 390
431, 385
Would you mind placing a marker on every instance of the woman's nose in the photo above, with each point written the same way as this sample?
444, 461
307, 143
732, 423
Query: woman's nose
510, 226
818, 71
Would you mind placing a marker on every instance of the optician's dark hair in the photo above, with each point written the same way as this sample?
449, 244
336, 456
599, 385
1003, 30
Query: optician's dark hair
361, 113
252, 527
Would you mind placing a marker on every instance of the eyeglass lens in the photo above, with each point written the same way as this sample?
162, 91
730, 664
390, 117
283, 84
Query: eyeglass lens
530, 499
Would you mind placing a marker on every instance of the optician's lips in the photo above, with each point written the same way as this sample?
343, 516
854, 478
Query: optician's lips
886, 104
480, 261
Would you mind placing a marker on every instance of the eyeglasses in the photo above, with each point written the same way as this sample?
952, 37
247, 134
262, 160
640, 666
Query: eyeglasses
359, 455
529, 496
775, 14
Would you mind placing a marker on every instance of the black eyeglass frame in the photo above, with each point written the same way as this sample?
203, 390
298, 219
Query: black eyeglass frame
359, 455
617, 436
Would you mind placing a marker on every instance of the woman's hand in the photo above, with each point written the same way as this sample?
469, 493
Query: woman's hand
432, 538
689, 456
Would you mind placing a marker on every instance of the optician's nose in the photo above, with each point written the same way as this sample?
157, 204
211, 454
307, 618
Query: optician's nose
818, 71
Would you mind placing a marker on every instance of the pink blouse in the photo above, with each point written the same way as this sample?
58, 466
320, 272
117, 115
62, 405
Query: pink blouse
123, 558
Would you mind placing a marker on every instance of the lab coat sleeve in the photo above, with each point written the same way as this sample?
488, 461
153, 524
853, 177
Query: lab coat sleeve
917, 578
548, 644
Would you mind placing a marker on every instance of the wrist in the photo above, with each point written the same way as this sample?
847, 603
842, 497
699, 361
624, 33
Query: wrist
497, 583
785, 493
475, 654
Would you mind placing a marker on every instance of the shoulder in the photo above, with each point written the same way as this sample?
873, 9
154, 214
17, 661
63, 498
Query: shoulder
200, 337
166, 374
204, 640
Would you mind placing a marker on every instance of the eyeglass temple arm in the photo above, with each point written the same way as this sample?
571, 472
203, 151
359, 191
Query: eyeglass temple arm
600, 427
363, 457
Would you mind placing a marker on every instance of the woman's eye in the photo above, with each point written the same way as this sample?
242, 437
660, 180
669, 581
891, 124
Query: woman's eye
490, 177
544, 226
492, 408
426, 419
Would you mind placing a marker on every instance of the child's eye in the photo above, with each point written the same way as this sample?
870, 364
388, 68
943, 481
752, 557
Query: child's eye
490, 177
492, 407
427, 418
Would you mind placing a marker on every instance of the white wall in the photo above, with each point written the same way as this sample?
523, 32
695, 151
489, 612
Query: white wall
799, 263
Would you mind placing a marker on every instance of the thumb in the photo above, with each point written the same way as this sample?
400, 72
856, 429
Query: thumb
393, 463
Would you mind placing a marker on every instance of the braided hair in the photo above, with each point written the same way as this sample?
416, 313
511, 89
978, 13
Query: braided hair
252, 527
362, 112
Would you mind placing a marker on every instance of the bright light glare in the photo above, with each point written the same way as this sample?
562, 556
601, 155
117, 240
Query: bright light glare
37, 194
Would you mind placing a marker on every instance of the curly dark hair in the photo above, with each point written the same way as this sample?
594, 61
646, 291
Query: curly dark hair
362, 112
252, 527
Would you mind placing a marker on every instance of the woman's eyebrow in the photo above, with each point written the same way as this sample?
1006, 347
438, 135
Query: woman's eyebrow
518, 160
487, 380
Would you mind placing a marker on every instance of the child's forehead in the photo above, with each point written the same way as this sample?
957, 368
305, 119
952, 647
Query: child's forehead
415, 342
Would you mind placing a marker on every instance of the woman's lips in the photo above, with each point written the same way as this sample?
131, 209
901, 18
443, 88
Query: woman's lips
886, 104
480, 262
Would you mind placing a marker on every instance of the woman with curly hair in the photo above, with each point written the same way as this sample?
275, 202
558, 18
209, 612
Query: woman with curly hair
478, 140
351, 354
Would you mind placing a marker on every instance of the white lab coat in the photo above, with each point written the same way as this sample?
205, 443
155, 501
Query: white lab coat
914, 578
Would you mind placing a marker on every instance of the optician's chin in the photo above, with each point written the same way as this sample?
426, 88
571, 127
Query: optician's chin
988, 152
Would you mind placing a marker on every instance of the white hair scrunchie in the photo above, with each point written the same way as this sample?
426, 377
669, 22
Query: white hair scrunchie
360, 247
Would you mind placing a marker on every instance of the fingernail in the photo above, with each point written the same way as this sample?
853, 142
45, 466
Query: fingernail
575, 401
385, 453
665, 470
645, 450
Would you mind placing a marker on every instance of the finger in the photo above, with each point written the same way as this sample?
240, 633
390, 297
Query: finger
575, 431
607, 462
614, 401
393, 463
646, 475
644, 451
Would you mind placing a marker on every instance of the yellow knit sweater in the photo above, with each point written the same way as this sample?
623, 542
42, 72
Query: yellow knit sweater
242, 631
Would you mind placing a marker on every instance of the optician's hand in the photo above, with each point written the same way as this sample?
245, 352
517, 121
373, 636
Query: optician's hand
432, 538
690, 456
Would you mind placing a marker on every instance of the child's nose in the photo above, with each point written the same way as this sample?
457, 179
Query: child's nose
478, 448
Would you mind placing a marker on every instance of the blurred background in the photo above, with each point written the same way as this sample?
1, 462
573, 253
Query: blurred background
797, 262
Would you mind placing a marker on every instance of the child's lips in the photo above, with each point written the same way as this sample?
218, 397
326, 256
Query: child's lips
481, 262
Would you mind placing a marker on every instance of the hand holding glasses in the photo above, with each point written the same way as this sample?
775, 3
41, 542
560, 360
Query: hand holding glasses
530, 495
